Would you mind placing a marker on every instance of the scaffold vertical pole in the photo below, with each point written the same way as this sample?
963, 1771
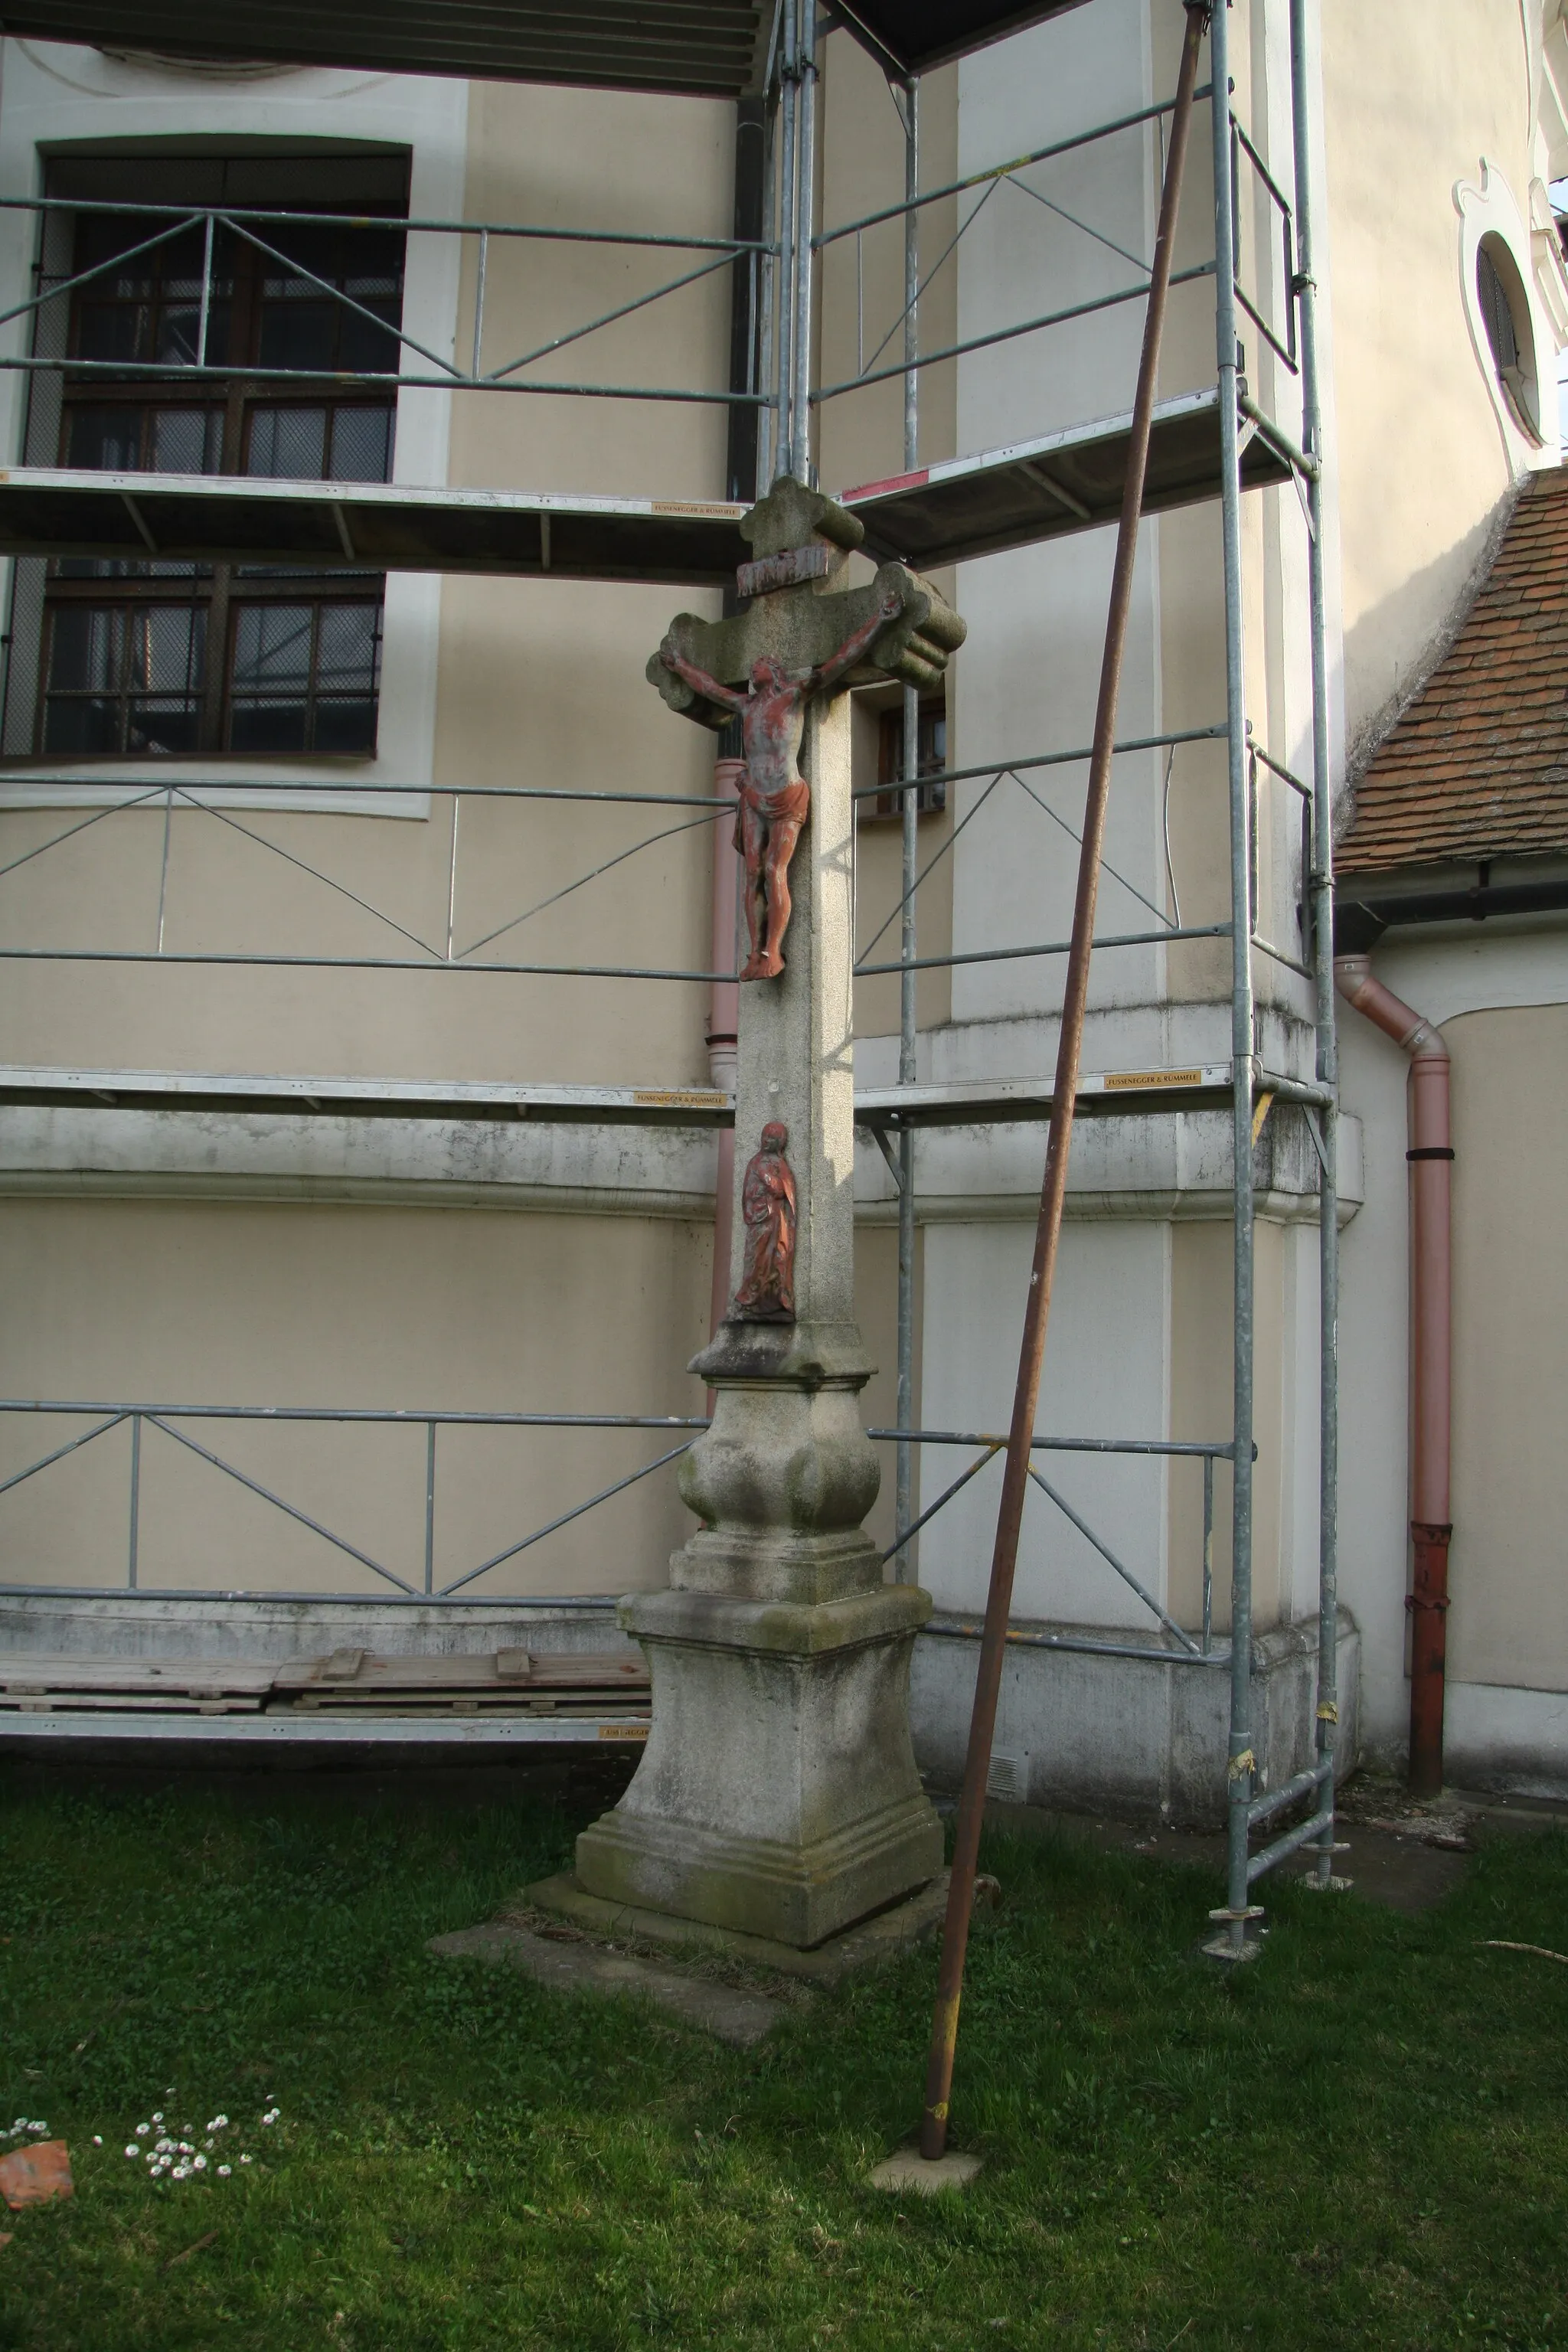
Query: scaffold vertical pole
784, 293
903, 1498
1241, 1765
805, 213
1320, 896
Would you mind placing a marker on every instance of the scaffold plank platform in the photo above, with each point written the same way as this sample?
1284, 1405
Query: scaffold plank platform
970, 1102
948, 514
346, 1097
369, 526
983, 1102
1050, 487
701, 48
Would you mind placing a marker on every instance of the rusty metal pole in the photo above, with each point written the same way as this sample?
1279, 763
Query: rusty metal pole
988, 1679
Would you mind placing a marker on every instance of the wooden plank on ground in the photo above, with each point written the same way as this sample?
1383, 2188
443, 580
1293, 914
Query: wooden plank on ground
22, 1671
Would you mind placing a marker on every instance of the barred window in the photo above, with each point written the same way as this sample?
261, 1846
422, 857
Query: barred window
931, 748
1505, 314
113, 658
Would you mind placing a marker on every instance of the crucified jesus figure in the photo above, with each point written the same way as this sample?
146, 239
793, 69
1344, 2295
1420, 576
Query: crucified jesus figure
774, 796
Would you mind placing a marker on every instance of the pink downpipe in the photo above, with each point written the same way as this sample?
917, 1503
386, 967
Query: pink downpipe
723, 1022
1431, 1160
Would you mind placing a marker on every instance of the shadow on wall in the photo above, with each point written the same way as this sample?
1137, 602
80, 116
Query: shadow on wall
1393, 648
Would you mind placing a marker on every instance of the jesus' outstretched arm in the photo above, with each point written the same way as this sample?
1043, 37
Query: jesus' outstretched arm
858, 642
698, 679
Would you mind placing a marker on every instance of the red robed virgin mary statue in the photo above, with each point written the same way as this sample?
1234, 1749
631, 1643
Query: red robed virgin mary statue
766, 1294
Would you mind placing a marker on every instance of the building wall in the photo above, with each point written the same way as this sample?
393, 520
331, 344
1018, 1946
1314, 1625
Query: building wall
1499, 995
255, 1266
1421, 102
304, 1272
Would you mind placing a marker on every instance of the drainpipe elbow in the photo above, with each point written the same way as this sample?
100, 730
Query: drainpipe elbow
1357, 983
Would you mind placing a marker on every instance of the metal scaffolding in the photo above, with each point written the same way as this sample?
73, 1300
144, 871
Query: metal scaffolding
1212, 445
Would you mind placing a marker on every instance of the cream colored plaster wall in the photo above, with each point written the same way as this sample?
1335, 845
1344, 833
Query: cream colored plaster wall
1508, 1622
537, 685
251, 1304
1415, 93
1201, 1366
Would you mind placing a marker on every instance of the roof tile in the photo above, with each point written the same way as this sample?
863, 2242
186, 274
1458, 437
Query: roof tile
1477, 766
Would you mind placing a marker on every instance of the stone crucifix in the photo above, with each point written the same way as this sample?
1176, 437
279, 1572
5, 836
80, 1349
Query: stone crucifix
776, 798
778, 1793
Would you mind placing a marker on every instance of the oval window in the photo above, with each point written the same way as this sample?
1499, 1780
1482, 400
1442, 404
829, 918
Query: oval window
1505, 313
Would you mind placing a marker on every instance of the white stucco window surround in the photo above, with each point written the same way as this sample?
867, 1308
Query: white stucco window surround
1511, 327
54, 96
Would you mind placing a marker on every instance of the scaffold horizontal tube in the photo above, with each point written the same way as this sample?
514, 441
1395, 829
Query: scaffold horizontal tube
1001, 171
1010, 334
1036, 759
1048, 948
380, 222
1221, 1448
1289, 1793
50, 781
1277, 440
359, 963
388, 1413
1291, 1843
165, 371
1029, 1637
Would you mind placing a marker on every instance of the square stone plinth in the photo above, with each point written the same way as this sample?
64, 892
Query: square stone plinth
777, 1794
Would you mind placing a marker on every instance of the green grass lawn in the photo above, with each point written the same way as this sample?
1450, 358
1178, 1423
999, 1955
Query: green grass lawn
1362, 2139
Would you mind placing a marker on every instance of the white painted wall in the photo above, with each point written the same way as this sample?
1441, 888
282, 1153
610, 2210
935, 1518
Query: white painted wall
1105, 1376
1028, 678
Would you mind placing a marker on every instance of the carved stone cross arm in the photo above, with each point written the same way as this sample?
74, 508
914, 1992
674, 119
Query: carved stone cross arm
799, 617
803, 631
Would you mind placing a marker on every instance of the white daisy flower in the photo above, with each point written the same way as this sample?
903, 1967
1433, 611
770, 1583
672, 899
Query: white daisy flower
159, 2117
132, 2149
97, 2139
245, 2160
38, 2128
182, 2171
224, 2170
198, 2164
143, 2130
219, 2123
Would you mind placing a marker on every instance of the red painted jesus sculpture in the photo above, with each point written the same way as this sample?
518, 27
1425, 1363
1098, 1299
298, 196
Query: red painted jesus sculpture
766, 1294
774, 797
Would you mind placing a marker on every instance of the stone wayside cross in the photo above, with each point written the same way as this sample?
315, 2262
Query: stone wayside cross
778, 1793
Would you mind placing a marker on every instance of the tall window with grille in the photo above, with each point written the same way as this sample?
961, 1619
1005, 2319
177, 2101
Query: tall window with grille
198, 352
931, 759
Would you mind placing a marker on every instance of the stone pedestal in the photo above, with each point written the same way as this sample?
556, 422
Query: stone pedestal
778, 1793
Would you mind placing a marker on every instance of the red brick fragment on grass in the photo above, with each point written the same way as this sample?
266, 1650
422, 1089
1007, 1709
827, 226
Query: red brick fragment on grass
32, 2176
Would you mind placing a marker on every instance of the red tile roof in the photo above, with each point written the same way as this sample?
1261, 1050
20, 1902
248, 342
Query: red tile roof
1477, 767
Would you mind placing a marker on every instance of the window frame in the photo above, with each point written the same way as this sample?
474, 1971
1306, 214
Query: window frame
931, 800
418, 123
253, 300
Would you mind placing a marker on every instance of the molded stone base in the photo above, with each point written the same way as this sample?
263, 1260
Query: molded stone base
778, 1794
916, 1920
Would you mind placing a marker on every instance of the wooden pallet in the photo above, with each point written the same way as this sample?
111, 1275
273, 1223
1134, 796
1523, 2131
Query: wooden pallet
506, 1682
347, 1682
35, 1685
